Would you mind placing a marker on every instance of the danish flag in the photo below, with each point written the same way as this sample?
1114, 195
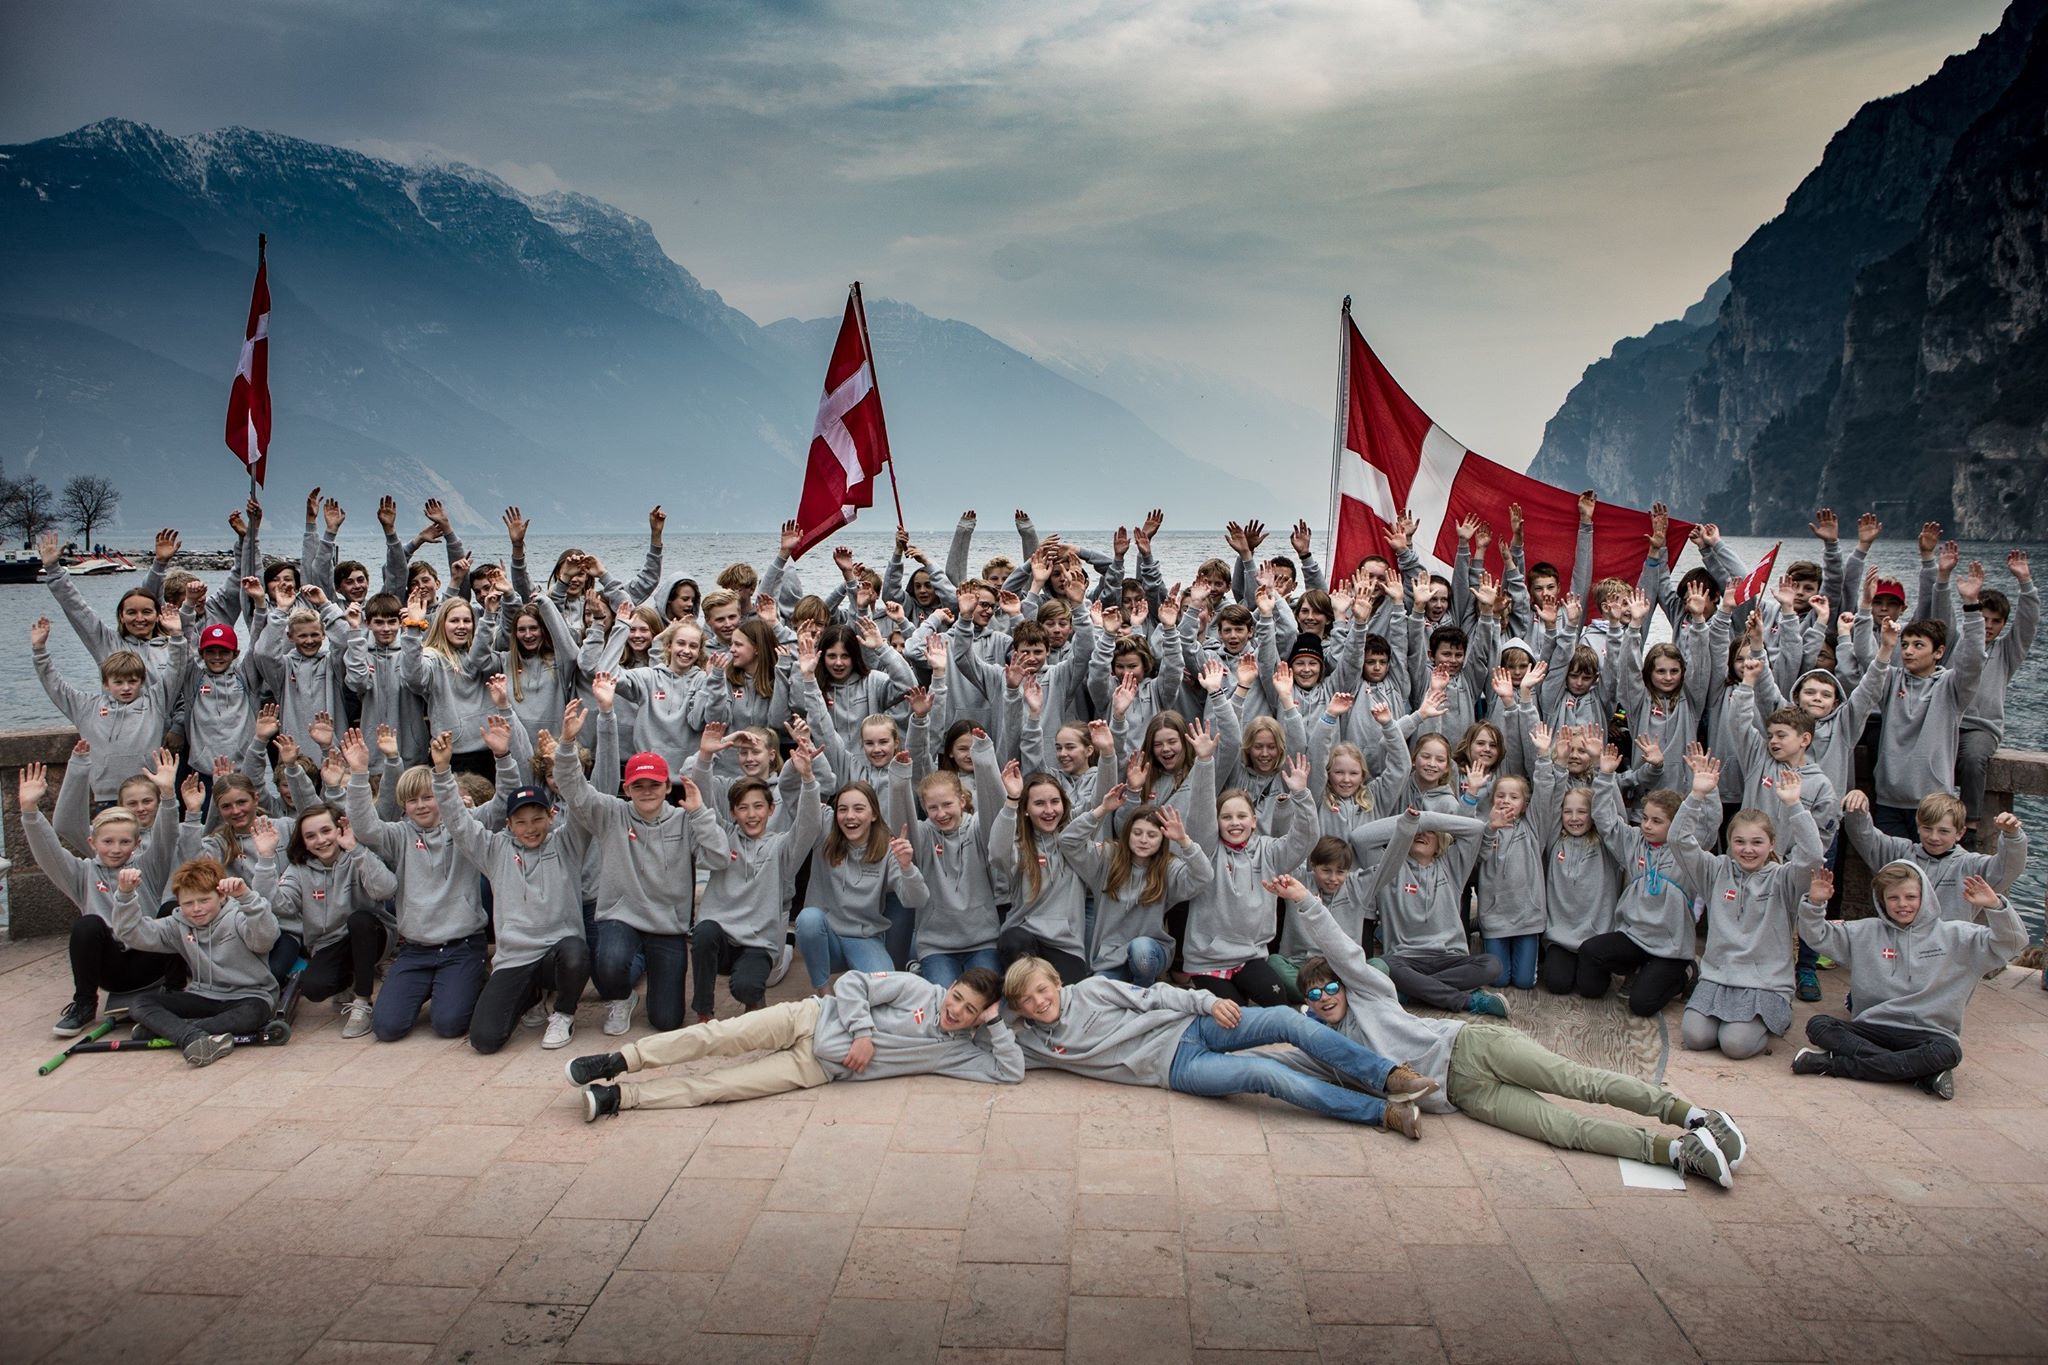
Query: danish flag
1752, 584
1890, 954
850, 442
249, 400
1390, 457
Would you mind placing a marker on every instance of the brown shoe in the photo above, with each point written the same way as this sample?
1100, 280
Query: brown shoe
1401, 1117
1406, 1085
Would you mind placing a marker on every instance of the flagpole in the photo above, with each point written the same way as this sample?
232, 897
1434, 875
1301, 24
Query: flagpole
1343, 413
860, 310
262, 240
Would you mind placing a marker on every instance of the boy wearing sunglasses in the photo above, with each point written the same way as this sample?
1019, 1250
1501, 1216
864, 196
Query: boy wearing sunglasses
1492, 1073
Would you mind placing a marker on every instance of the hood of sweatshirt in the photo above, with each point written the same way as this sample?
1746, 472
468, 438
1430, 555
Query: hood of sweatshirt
1833, 679
1922, 922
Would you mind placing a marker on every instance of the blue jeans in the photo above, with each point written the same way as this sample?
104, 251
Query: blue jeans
826, 952
615, 964
1208, 1064
1517, 954
902, 934
1145, 965
943, 969
446, 977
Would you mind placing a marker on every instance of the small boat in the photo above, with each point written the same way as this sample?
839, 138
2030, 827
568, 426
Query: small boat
20, 566
88, 566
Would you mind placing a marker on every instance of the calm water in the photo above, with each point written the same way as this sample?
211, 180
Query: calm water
22, 702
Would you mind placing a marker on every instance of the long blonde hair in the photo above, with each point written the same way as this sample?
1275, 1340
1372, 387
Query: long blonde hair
1362, 798
437, 634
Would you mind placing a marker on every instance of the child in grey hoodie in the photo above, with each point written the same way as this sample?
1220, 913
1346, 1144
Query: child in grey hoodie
1195, 1043
870, 1026
1940, 820
1911, 974
222, 932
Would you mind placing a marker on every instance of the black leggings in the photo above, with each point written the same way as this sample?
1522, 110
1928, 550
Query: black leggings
1559, 972
1255, 983
510, 991
1012, 944
101, 962
347, 963
1659, 980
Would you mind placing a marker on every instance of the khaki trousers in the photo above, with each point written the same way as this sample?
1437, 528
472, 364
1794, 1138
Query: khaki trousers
782, 1031
1496, 1075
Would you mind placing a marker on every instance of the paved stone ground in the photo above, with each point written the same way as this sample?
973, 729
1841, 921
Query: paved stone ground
331, 1202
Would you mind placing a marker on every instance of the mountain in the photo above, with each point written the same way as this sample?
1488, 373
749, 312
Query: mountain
438, 333
1881, 338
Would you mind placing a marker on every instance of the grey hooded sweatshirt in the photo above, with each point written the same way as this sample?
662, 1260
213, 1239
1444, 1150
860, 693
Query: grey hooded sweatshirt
645, 878
1749, 914
439, 900
899, 1013
314, 899
1655, 906
1113, 1032
536, 893
1120, 915
1916, 749
1919, 976
225, 956
1945, 872
745, 896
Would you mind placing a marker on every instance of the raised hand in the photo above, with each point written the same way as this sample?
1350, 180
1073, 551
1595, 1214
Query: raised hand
321, 730
1013, 780
1172, 825
1970, 587
1820, 887
440, 750
497, 735
1295, 773
33, 785
1503, 685
1283, 684
1826, 526
128, 880
1706, 770
39, 633
1789, 785
1201, 739
357, 754
693, 795
263, 838
1212, 675
604, 689
1930, 536
572, 721
1034, 694
1539, 737
2016, 564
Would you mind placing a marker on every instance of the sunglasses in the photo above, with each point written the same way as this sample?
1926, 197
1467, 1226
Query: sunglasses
1329, 991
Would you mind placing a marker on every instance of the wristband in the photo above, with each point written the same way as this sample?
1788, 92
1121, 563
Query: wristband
1973, 606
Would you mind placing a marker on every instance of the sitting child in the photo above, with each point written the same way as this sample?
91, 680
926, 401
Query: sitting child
1911, 974
223, 933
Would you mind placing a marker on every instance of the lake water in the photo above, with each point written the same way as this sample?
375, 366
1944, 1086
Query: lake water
700, 556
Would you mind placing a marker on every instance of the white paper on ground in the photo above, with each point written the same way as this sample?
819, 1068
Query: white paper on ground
1638, 1175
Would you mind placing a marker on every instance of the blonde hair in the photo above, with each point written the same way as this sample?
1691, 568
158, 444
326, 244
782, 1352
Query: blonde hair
437, 634
1749, 815
1891, 875
1936, 807
1022, 973
415, 782
1362, 798
116, 815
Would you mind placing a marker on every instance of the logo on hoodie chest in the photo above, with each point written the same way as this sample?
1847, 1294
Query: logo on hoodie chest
1890, 954
917, 1015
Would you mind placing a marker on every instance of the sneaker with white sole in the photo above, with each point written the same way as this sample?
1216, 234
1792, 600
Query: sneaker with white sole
1699, 1154
342, 1001
1941, 1085
618, 1015
1726, 1135
560, 1028
358, 1021
781, 967
600, 1102
534, 1017
208, 1048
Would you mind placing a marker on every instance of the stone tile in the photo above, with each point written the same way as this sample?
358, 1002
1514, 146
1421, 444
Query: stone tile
264, 1325
1126, 1130
1315, 1151
860, 1330
566, 1260
455, 1149
1867, 1342
389, 1214
899, 1263
341, 1168
1227, 1229
730, 1348
759, 1123
1340, 1223
1967, 1314
1549, 1236
1245, 1302
830, 1169
141, 1327
365, 1353
641, 1316
1020, 1216
1609, 1314
1673, 1243
878, 1102
1208, 1181
1435, 1160
508, 1200
1377, 1298
1367, 1345
1531, 1177
1061, 1094
1007, 1305
1807, 1275
509, 1332
922, 1190
1147, 1172
410, 1313
1485, 1306
1031, 1142
699, 1226
1726, 1323
1133, 1331
195, 1202
1127, 1265
1208, 1127
630, 1178
734, 1163
451, 1262
942, 1123
1872, 1225
1987, 1156
1444, 1215
790, 1260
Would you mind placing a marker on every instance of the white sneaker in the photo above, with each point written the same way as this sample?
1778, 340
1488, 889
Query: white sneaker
560, 1028
534, 1017
781, 967
343, 1001
618, 1015
358, 1022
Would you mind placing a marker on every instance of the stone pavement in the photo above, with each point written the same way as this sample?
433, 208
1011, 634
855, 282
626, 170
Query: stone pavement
361, 1202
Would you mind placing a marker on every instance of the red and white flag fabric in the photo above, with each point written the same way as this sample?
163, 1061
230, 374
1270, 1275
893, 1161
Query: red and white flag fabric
1391, 457
1752, 585
249, 399
850, 443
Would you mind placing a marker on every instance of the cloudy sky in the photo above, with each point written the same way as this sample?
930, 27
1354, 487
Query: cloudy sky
1504, 186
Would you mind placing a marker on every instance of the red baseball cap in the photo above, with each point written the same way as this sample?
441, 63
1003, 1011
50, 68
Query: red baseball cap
218, 637
1890, 587
646, 768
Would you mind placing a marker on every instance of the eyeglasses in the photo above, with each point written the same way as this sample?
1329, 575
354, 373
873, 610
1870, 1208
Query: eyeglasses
1328, 991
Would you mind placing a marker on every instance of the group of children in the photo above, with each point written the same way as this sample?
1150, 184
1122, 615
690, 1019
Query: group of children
1056, 812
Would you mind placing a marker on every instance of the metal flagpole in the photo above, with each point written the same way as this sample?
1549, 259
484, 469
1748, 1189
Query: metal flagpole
860, 309
1343, 421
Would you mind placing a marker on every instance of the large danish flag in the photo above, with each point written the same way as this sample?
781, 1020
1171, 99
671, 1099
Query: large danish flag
248, 429
1391, 457
850, 443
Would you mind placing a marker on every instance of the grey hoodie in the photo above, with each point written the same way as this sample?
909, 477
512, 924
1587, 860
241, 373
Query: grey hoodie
1113, 1032
536, 893
899, 1013
123, 735
1233, 918
1120, 916
1655, 906
1916, 748
89, 883
646, 879
959, 915
1749, 914
1920, 976
1580, 881
1946, 872
315, 899
225, 956
746, 896
1817, 791
1418, 903
439, 900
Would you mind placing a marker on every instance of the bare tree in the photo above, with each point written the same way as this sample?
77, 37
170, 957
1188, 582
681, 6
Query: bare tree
88, 500
26, 507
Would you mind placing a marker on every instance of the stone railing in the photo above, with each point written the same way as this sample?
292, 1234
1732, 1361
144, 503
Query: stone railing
32, 906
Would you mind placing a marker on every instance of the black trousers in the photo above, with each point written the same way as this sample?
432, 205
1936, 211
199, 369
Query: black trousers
512, 991
1012, 944
1659, 980
1882, 1052
347, 963
1255, 983
1559, 970
182, 1016
101, 962
716, 955
1442, 978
